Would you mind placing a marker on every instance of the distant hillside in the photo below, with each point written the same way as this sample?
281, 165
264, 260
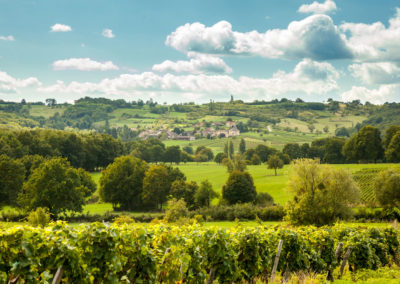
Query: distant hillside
260, 122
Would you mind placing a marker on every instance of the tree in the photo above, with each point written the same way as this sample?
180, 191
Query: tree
121, 183
242, 146
188, 149
156, 186
235, 164
86, 180
205, 194
12, 176
185, 190
326, 129
176, 209
264, 151
172, 154
392, 152
293, 150
51, 102
342, 131
231, 149
204, 151
219, 157
54, 185
389, 134
31, 162
387, 187
239, 188
274, 162
311, 127
366, 145
322, 194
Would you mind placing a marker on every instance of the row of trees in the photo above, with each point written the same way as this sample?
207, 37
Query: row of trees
364, 146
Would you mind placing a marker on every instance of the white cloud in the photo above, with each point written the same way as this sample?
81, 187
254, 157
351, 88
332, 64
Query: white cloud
308, 77
83, 64
60, 28
318, 8
108, 33
7, 38
385, 93
314, 37
376, 72
198, 63
375, 42
9, 84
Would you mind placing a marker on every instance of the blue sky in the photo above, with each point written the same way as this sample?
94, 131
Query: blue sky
180, 51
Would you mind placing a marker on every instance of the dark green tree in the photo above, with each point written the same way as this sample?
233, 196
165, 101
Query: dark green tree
172, 154
54, 185
156, 186
242, 146
205, 194
121, 183
12, 176
387, 187
239, 188
392, 152
293, 150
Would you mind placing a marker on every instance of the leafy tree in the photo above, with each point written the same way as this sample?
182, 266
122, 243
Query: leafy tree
387, 187
255, 160
239, 188
121, 183
264, 151
231, 149
242, 146
366, 145
188, 149
392, 152
54, 185
326, 129
293, 150
86, 180
184, 190
311, 127
156, 186
172, 154
389, 134
205, 152
333, 151
264, 199
274, 162
12, 176
342, 131
235, 164
31, 162
219, 157
322, 194
205, 194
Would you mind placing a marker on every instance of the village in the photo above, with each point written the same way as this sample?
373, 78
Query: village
212, 132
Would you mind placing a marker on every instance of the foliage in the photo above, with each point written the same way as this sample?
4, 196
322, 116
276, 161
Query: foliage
54, 185
176, 209
184, 190
239, 188
205, 194
264, 199
392, 152
387, 187
12, 177
122, 183
321, 194
97, 252
123, 219
274, 162
39, 217
156, 186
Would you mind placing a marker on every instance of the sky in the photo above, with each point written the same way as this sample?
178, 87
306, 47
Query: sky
195, 51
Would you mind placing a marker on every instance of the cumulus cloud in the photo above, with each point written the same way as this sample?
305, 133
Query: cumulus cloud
83, 64
315, 37
9, 84
318, 8
108, 33
60, 28
198, 63
308, 77
7, 38
376, 72
385, 93
375, 42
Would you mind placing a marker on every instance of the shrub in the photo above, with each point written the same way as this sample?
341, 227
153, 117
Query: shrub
39, 217
264, 199
124, 219
176, 209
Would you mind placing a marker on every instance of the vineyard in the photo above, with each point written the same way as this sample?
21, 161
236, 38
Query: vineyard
365, 179
101, 253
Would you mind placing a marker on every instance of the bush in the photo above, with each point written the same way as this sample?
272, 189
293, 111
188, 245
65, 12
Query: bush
264, 199
124, 219
245, 211
176, 209
39, 217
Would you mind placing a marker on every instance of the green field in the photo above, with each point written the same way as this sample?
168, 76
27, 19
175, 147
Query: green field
264, 179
